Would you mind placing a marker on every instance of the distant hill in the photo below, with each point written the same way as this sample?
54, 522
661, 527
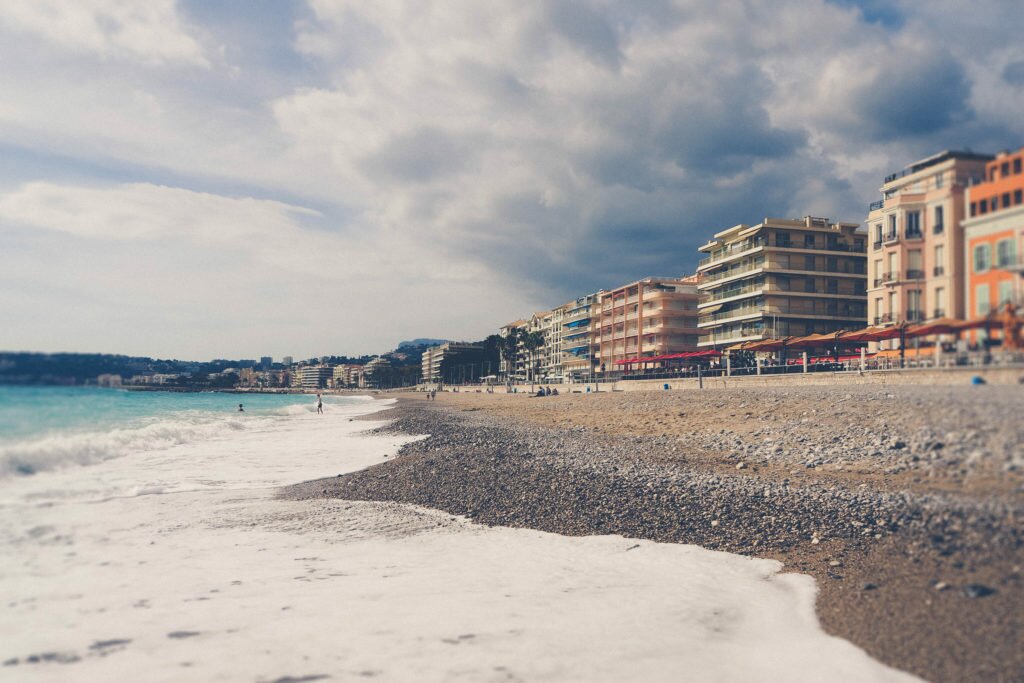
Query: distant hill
421, 342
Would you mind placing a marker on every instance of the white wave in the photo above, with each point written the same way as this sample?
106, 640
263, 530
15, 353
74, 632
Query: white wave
85, 448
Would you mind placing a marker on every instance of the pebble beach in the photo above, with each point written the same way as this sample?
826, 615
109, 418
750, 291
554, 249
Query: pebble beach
903, 502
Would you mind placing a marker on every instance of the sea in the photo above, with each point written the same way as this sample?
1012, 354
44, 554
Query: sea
142, 538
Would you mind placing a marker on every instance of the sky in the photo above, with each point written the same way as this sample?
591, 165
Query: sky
239, 178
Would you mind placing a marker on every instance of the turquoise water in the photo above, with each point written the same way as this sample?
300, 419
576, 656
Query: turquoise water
30, 412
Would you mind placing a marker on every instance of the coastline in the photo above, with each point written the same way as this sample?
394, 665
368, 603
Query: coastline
901, 559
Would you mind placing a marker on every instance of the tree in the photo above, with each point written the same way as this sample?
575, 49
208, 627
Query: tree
531, 342
509, 349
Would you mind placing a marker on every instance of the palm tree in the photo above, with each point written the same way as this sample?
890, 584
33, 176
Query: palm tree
508, 347
531, 342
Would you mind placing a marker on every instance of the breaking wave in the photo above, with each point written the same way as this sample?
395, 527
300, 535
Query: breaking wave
84, 448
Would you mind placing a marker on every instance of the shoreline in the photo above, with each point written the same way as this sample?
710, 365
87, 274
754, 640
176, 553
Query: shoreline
902, 571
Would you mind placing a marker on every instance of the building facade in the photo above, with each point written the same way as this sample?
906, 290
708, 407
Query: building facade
781, 278
454, 361
644, 319
577, 352
314, 376
994, 236
915, 266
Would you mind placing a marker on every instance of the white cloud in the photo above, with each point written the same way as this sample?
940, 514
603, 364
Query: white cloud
470, 161
150, 31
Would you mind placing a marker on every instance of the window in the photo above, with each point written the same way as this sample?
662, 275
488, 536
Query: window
974, 208
878, 307
1005, 255
915, 264
940, 302
938, 222
1006, 292
914, 304
913, 223
983, 206
981, 305
782, 239
1016, 165
892, 227
995, 203
892, 261
878, 232
938, 180
809, 241
808, 262
878, 267
832, 286
1006, 199
1017, 197
1004, 170
832, 264
940, 260
982, 258
892, 304
809, 284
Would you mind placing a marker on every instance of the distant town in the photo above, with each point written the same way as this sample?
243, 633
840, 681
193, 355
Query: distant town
937, 263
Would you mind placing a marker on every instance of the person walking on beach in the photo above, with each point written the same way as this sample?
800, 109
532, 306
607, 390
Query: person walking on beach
240, 408
319, 405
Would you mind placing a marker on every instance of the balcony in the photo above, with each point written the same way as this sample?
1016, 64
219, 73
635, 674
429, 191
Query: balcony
756, 265
938, 271
875, 206
938, 229
878, 282
877, 245
915, 316
939, 313
730, 250
891, 236
914, 235
890, 278
884, 318
915, 274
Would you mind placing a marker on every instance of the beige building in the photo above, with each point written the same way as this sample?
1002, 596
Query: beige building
644, 319
781, 278
916, 262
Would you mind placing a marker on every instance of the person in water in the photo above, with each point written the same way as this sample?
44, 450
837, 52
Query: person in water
240, 408
319, 405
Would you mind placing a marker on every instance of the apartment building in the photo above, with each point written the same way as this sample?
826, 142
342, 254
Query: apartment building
781, 278
513, 368
644, 319
994, 236
916, 266
314, 376
439, 361
577, 354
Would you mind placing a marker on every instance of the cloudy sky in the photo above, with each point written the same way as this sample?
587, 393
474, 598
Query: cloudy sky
200, 179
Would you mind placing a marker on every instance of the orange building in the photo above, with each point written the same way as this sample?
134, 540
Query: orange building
994, 236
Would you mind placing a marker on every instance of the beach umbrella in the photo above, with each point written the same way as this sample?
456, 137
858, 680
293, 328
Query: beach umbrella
937, 326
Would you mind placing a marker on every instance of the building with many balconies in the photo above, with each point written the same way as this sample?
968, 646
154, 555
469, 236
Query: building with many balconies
994, 236
577, 353
453, 361
645, 319
781, 278
916, 265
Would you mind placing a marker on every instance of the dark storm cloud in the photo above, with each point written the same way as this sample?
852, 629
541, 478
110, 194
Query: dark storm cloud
1013, 73
914, 96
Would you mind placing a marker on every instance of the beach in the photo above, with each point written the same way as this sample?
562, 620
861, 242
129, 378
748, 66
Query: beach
904, 503
170, 553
